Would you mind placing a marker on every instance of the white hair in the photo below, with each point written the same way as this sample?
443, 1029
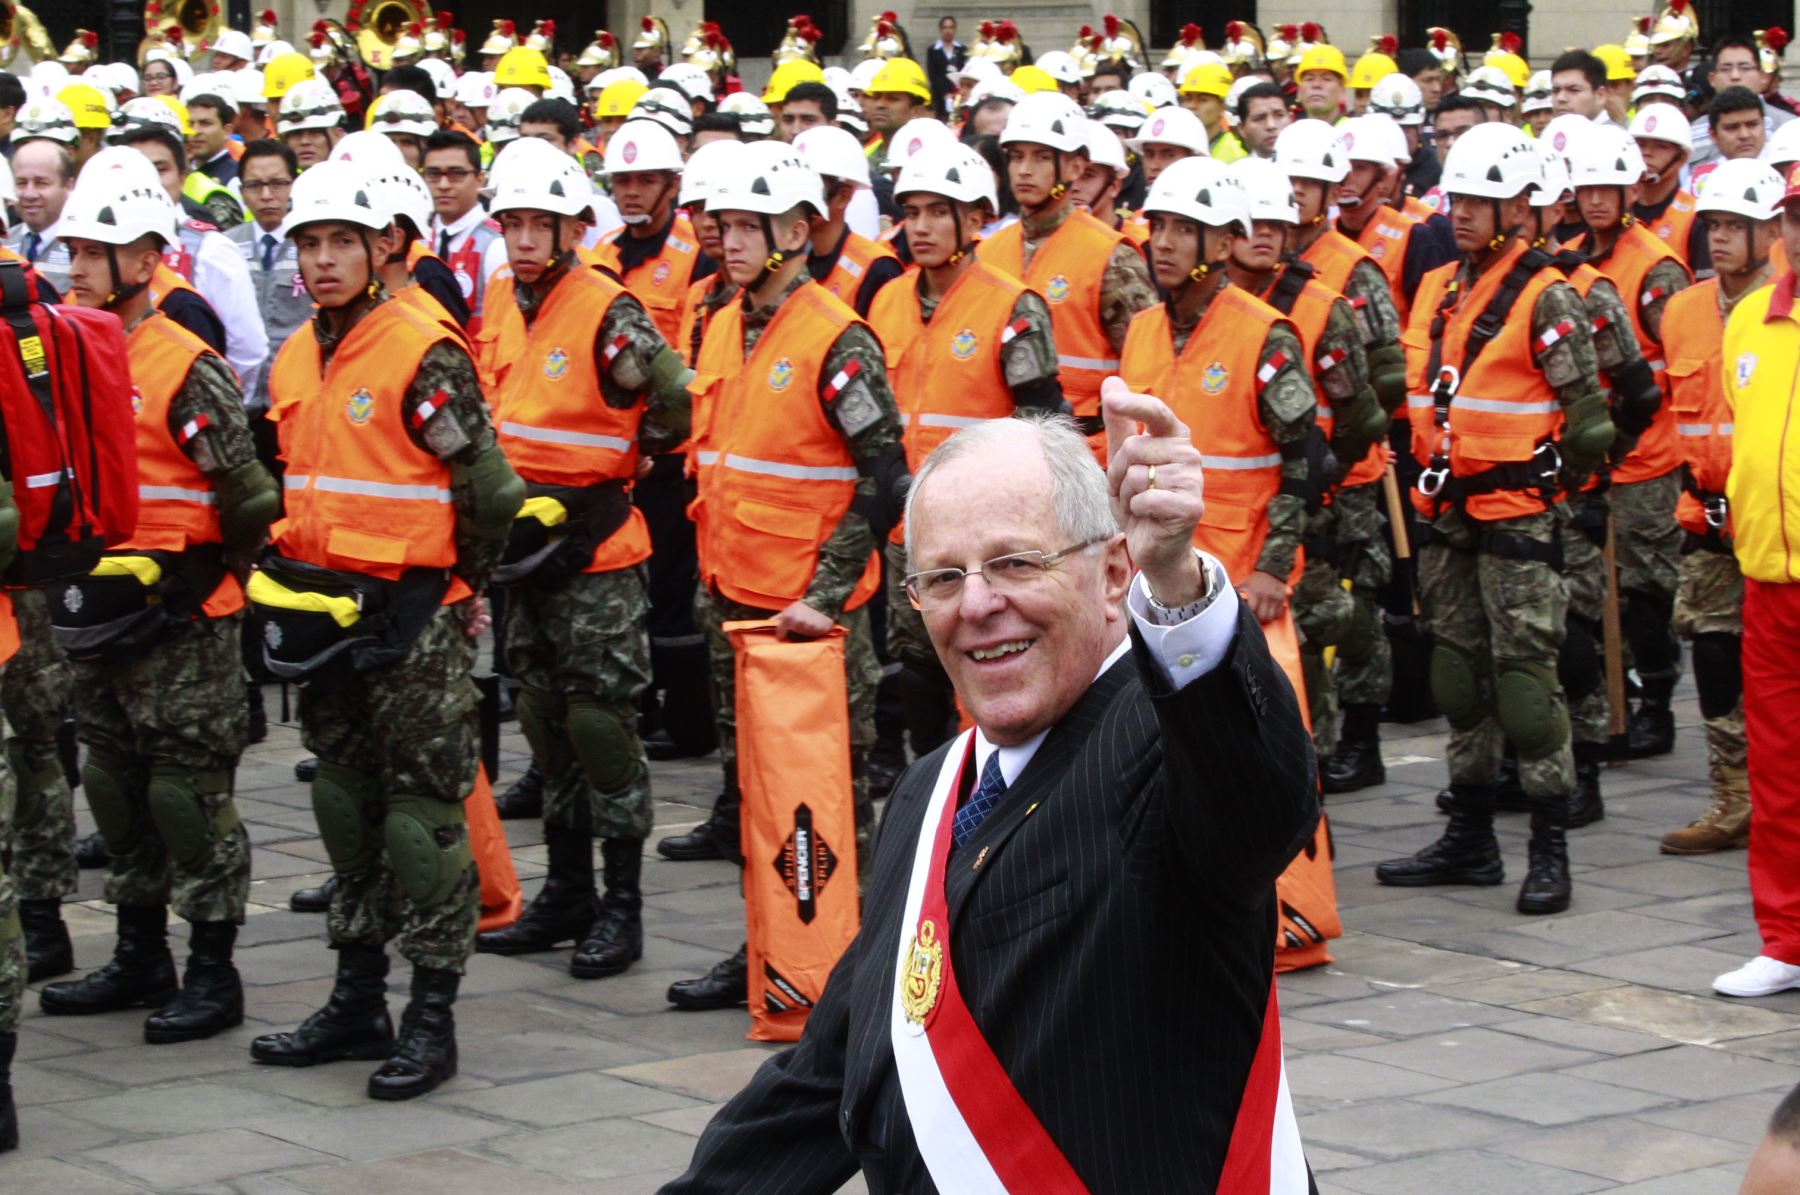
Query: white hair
1078, 492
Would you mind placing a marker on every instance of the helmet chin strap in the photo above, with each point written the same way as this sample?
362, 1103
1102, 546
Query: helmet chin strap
121, 292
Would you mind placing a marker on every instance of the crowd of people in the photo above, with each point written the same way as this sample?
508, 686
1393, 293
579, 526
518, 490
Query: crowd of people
599, 352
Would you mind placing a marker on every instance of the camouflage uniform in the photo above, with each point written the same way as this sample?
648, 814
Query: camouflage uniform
1126, 287
181, 704
12, 939
37, 692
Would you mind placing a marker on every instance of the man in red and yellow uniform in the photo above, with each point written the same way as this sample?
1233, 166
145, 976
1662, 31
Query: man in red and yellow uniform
576, 630
849, 265
398, 503
154, 634
656, 252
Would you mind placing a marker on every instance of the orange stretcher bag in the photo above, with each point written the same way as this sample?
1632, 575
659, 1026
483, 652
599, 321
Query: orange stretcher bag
1305, 894
801, 898
500, 896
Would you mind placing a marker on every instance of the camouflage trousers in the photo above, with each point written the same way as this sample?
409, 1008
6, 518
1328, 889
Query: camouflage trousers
178, 705
861, 674
12, 938
36, 695
588, 637
1584, 568
1346, 542
1711, 601
410, 726
1497, 611
1647, 546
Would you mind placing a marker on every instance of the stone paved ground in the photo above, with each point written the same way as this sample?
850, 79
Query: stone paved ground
1453, 1047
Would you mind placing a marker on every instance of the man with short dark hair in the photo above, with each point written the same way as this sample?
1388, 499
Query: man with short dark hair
807, 106
715, 126
410, 78
1578, 84
1736, 64
1262, 112
209, 145
1423, 68
559, 122
1735, 118
12, 98
460, 232
266, 175
1109, 75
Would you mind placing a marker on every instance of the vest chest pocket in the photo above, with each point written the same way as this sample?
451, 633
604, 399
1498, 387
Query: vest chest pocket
780, 521
1687, 385
348, 543
1226, 516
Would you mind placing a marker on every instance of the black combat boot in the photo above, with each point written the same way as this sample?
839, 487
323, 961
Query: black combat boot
1652, 728
91, 852
1586, 807
425, 1054
617, 938
727, 985
1467, 853
47, 948
307, 769
525, 799
353, 1024
9, 1115
563, 909
140, 975
1356, 764
314, 900
1546, 886
259, 717
715, 838
212, 996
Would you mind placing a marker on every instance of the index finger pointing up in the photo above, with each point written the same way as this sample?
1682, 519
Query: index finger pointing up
1124, 411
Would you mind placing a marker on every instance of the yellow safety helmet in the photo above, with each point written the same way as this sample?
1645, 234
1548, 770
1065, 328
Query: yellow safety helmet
1206, 78
1031, 80
1371, 69
789, 75
283, 71
522, 66
1618, 63
618, 99
1322, 57
1504, 57
902, 75
88, 104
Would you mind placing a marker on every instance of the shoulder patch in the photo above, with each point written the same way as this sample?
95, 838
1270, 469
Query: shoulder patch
202, 226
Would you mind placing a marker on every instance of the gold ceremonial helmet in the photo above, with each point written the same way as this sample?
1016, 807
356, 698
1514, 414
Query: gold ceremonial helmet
1243, 46
800, 42
22, 34
191, 25
267, 28
1678, 22
602, 52
1118, 41
378, 26
708, 48
654, 31
1770, 43
887, 39
1445, 46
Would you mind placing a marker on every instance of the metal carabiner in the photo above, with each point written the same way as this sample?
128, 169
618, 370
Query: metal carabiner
1716, 510
1432, 480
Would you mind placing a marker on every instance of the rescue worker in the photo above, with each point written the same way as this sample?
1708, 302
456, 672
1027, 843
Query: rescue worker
1606, 169
412, 273
577, 604
709, 166
310, 120
656, 251
1167, 136
964, 343
1506, 411
1203, 90
1664, 206
795, 413
398, 505
1741, 212
13, 964
1097, 190
1093, 277
849, 265
154, 633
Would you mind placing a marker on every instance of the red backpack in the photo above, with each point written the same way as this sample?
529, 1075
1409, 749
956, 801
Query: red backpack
68, 440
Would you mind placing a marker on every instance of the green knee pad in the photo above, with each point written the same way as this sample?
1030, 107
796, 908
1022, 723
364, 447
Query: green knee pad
1531, 714
1456, 686
107, 778
1361, 633
344, 801
427, 846
177, 800
541, 714
609, 752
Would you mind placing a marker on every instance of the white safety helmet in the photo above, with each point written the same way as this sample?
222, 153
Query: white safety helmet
120, 76
1154, 89
693, 82
1060, 65
1784, 144
336, 193
1489, 85
536, 176
850, 113
476, 89
118, 199
1398, 96
1492, 161
951, 169
235, 43
1119, 110
770, 180
1172, 126
1267, 191
1556, 177
1312, 149
1105, 149
834, 153
403, 192
641, 145
1537, 93
47, 118
309, 104
864, 72
668, 107
706, 168
443, 76
9, 190
561, 86
1374, 137
247, 88
913, 137
1563, 131
54, 76
1664, 122
1605, 156
269, 51
754, 117
503, 114
1047, 118
1743, 187
403, 112
1200, 189
977, 70
1657, 79
147, 111
995, 89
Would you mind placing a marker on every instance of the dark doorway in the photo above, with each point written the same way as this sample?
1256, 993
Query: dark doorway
754, 30
1168, 16
1473, 21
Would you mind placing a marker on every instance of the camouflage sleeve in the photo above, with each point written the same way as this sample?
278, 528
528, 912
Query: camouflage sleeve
1340, 361
1562, 343
1126, 288
225, 210
1288, 408
1376, 313
625, 346
1666, 278
862, 409
1615, 340
211, 404
1030, 353
456, 430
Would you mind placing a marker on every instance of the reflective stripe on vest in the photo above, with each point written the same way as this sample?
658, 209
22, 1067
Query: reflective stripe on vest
748, 464
551, 435
174, 493
1634, 254
367, 489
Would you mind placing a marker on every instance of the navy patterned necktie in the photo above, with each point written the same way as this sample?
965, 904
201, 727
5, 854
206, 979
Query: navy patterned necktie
981, 803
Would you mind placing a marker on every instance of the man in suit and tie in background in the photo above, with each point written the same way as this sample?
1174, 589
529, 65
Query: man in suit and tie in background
1064, 979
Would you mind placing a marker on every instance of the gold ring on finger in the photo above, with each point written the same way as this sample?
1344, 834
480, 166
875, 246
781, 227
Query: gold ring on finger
1152, 478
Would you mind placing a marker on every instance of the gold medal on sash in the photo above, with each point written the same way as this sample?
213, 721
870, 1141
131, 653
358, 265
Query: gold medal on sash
923, 976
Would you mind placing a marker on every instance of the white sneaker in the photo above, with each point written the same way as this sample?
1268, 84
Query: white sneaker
1761, 976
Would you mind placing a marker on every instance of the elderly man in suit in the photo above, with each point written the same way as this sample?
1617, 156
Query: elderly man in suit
1065, 975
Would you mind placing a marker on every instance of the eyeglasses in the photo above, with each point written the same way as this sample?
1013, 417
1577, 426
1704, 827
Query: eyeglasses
1009, 574
271, 186
456, 174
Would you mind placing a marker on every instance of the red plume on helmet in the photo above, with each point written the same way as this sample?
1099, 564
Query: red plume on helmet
153, 9
508, 29
173, 31
90, 39
987, 30
1678, 7
1087, 31
1234, 31
1310, 31
1009, 31
1511, 42
549, 30
1776, 38
267, 16
1110, 22
1290, 33
649, 24
458, 36
415, 30
1190, 33
316, 39
445, 18
1440, 40
1388, 44
606, 40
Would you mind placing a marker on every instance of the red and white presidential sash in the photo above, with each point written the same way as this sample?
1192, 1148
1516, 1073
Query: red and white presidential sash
975, 1132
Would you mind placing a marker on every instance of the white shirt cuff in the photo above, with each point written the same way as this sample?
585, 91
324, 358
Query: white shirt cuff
1188, 650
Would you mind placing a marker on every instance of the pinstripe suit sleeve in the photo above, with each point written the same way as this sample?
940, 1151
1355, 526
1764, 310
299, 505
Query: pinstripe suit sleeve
1240, 783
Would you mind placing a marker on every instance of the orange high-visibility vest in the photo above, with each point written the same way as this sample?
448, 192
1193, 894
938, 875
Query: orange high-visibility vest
551, 422
1632, 256
1136, 229
692, 309
1503, 408
1674, 225
1693, 338
946, 375
1385, 238
661, 283
1067, 270
177, 507
165, 282
361, 496
780, 477
852, 266
1333, 256
1213, 388
1311, 311
1417, 208
9, 628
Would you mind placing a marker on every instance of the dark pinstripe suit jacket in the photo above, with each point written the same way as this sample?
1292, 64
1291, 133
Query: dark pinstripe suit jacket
1115, 946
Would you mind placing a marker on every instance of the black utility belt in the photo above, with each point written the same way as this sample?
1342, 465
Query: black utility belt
556, 531
1491, 542
316, 622
133, 601
1540, 476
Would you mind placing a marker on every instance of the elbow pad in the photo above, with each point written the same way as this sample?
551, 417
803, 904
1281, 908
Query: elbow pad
9, 525
886, 507
1587, 434
1387, 374
1358, 425
494, 492
1638, 397
249, 501
1042, 394
669, 377
1322, 470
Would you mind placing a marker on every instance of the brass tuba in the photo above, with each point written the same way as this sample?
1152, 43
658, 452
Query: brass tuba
201, 23
378, 24
22, 35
